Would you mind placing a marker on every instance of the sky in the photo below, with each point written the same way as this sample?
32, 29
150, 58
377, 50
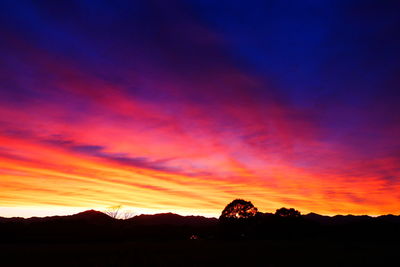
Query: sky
183, 106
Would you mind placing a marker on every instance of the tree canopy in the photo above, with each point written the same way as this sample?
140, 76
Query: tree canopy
239, 209
284, 212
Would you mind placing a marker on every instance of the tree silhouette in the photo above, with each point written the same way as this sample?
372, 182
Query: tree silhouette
290, 213
113, 212
128, 214
239, 209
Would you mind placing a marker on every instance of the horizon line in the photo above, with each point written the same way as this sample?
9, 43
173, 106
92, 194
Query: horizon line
38, 212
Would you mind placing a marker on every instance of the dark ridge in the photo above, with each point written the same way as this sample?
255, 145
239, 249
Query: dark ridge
347, 219
317, 217
176, 219
170, 219
12, 219
389, 218
89, 215
338, 219
95, 226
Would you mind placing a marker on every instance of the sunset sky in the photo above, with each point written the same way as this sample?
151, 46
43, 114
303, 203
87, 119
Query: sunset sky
183, 106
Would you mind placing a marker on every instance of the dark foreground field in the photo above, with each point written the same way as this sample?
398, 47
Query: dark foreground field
202, 253
92, 238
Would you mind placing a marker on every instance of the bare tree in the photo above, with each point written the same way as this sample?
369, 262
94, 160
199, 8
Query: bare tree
128, 214
113, 212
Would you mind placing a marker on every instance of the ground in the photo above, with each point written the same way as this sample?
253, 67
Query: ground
201, 253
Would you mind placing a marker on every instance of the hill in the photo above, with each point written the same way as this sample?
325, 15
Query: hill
96, 226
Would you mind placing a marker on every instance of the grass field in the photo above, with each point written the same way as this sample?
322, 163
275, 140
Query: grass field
202, 253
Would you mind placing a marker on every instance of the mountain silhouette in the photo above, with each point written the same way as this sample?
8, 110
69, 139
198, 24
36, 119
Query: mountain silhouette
171, 219
97, 217
93, 226
91, 216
